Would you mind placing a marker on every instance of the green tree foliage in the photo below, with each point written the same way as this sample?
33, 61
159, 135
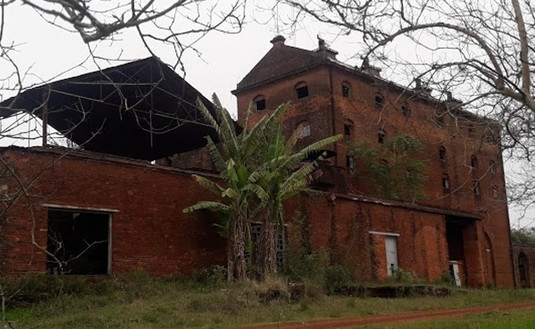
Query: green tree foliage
523, 235
394, 169
259, 169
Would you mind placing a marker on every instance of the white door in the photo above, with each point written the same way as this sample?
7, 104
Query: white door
391, 254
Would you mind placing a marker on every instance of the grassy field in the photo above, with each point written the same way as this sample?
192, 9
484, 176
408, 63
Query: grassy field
521, 319
141, 302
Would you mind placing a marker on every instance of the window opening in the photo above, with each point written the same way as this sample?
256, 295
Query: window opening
381, 136
473, 162
77, 242
348, 128
406, 110
492, 167
442, 153
301, 90
476, 189
446, 182
471, 130
346, 89
440, 120
495, 191
303, 129
350, 162
260, 103
379, 101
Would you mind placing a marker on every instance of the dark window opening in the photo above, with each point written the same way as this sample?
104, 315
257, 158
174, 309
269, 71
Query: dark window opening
260, 103
381, 136
495, 193
476, 189
348, 128
446, 182
406, 110
350, 162
473, 162
471, 130
346, 89
301, 90
256, 231
442, 153
440, 120
77, 242
379, 101
492, 167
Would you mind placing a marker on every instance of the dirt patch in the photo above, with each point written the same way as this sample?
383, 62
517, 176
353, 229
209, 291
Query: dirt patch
394, 318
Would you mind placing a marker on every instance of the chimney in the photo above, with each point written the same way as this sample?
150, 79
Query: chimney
324, 48
420, 89
369, 69
278, 40
451, 102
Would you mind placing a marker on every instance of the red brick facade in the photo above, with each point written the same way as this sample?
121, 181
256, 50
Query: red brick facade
460, 146
524, 262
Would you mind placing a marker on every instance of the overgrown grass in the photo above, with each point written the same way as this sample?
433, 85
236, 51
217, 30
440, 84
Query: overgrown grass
137, 301
521, 319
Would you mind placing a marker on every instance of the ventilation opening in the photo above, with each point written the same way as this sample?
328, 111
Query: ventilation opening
379, 101
346, 89
78, 242
445, 182
406, 110
260, 104
302, 91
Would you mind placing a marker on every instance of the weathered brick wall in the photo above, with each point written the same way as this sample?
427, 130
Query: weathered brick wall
488, 253
527, 280
149, 230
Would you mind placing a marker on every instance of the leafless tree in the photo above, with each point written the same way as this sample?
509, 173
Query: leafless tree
482, 51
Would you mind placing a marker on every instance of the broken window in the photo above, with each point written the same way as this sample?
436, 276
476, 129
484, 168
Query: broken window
442, 153
302, 90
78, 242
260, 102
346, 89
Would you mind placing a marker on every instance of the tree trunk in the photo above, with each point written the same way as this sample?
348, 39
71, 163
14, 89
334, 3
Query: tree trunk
236, 263
266, 264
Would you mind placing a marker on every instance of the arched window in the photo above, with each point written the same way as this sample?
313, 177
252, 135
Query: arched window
381, 136
495, 193
346, 89
348, 128
492, 167
379, 101
473, 162
442, 153
259, 102
446, 181
303, 129
301, 90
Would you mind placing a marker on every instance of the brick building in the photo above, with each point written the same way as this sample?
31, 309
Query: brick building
133, 207
524, 264
462, 222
